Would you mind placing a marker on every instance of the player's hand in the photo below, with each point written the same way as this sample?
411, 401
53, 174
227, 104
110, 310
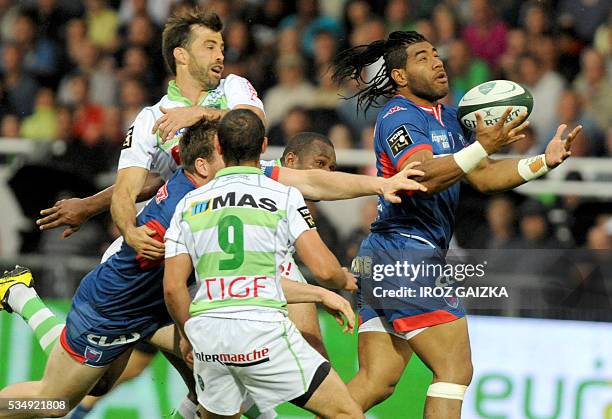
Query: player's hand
495, 137
401, 182
174, 119
186, 351
71, 213
141, 240
559, 149
340, 308
350, 284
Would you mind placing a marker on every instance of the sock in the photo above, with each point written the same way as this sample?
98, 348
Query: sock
45, 325
186, 410
80, 412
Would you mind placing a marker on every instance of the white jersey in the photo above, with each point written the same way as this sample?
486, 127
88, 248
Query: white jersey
143, 149
238, 230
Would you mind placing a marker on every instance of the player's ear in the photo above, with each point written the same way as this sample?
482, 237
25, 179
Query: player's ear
399, 76
264, 145
180, 56
290, 159
202, 167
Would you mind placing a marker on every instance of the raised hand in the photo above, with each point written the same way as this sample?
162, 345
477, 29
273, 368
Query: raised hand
502, 133
559, 149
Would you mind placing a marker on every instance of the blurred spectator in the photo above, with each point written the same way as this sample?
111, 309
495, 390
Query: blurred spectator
40, 55
296, 120
464, 71
603, 40
340, 136
308, 21
485, 33
50, 18
569, 111
9, 10
546, 88
347, 109
527, 146
569, 53
102, 79
87, 116
517, 47
102, 24
356, 13
534, 20
327, 92
371, 31
292, 89
20, 87
42, 124
136, 66
584, 15
265, 21
133, 99
609, 142
325, 49
595, 87
445, 23
76, 35
9, 127
501, 219
536, 231
398, 16
157, 10
369, 212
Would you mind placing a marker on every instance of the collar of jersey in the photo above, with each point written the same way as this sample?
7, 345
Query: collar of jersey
174, 94
239, 170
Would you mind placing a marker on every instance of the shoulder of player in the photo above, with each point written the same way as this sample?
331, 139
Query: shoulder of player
401, 109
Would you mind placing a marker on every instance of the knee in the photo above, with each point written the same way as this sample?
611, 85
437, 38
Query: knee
458, 373
380, 385
347, 410
102, 387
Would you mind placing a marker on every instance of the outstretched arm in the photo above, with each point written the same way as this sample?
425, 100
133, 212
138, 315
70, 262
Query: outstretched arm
176, 294
329, 186
499, 175
74, 212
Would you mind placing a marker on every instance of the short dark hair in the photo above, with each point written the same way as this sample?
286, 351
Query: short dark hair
299, 143
177, 31
197, 142
241, 136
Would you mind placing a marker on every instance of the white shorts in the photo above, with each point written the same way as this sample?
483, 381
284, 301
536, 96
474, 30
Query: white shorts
269, 361
380, 324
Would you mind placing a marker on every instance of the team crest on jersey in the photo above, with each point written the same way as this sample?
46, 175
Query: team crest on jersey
162, 193
393, 110
399, 140
440, 138
305, 213
200, 207
127, 143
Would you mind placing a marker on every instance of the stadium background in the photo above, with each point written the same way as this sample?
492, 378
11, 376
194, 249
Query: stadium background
75, 73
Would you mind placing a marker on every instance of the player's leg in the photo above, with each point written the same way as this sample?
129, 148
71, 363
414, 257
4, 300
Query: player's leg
64, 378
306, 319
332, 399
445, 349
17, 295
378, 375
139, 360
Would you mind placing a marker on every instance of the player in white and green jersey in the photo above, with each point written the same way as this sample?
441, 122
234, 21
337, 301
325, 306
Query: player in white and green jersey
236, 232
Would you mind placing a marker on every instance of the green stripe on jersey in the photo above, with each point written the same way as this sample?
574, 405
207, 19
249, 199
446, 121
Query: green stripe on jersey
198, 307
251, 216
253, 264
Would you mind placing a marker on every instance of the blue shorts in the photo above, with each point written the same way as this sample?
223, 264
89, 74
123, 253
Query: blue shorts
399, 279
97, 339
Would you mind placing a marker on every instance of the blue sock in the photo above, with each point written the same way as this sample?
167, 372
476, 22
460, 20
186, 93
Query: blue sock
80, 412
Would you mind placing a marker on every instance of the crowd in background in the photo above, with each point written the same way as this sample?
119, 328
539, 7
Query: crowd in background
79, 72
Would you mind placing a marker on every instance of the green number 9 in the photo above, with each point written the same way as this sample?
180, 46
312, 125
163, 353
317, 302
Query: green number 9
236, 247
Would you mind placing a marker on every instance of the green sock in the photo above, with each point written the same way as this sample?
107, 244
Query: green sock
45, 325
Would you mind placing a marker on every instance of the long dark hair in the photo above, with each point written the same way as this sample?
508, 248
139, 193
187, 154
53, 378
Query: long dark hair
349, 64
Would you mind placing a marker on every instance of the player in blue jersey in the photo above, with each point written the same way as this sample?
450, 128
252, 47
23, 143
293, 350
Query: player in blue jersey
414, 126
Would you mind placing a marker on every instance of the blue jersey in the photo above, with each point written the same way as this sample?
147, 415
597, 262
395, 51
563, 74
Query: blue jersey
126, 286
402, 129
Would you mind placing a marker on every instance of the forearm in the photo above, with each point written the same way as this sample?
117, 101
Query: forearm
330, 186
440, 174
177, 301
496, 176
123, 211
296, 292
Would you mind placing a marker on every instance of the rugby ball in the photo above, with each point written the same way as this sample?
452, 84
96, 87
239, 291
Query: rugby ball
491, 99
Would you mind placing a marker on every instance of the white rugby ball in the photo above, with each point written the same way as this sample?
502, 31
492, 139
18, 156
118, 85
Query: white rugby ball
492, 99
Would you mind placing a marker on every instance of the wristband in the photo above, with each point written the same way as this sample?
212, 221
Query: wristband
468, 158
533, 167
